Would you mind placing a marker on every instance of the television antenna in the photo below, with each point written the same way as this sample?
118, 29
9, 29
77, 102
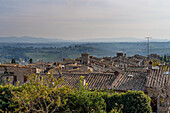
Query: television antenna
148, 45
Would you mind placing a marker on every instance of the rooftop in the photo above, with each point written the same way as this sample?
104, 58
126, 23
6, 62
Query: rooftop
100, 81
129, 81
157, 79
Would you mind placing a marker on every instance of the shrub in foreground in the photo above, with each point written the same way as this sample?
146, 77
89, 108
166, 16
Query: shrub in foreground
83, 100
45, 94
129, 102
6, 103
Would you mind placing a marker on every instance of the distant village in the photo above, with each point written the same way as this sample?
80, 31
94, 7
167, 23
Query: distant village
120, 73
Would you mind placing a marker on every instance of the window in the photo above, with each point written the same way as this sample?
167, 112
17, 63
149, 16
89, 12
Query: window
15, 78
25, 79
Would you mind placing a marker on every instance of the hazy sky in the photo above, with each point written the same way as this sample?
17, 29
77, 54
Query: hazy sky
82, 19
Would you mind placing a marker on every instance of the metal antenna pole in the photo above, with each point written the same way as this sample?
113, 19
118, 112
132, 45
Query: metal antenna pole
148, 45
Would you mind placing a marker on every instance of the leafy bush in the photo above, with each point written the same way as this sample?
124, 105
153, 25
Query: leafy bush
83, 100
129, 102
40, 95
45, 94
5, 98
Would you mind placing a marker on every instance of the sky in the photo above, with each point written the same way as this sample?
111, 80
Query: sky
85, 19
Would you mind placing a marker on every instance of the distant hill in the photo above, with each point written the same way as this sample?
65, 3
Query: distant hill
56, 51
28, 39
122, 39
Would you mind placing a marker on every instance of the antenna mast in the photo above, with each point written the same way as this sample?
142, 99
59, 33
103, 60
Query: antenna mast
148, 45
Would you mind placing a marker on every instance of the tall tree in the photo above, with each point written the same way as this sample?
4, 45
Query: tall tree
13, 61
31, 60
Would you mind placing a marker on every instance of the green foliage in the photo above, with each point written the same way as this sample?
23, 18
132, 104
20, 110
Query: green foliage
13, 61
5, 98
83, 100
57, 51
155, 62
46, 53
40, 95
130, 102
162, 59
45, 94
165, 68
31, 61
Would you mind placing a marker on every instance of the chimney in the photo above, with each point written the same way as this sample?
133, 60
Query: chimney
125, 67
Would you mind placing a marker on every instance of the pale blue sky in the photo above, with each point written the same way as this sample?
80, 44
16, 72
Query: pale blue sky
83, 19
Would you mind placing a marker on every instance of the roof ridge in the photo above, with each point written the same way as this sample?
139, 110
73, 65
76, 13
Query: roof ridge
115, 81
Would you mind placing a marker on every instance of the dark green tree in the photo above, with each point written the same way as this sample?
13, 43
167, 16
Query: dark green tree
132, 102
13, 61
31, 60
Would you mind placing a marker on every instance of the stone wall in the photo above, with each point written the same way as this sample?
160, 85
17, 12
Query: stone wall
162, 97
7, 79
19, 72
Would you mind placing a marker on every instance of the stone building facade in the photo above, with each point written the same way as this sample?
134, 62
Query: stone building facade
85, 58
15, 73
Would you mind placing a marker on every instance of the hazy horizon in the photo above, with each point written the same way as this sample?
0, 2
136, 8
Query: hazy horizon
85, 19
29, 39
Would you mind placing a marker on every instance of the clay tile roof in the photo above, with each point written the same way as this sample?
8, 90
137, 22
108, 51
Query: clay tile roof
69, 79
139, 57
78, 59
100, 81
137, 68
158, 79
76, 70
67, 61
135, 59
129, 81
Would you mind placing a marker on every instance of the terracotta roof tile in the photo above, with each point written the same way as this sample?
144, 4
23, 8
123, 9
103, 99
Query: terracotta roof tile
124, 82
157, 79
68, 78
100, 81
